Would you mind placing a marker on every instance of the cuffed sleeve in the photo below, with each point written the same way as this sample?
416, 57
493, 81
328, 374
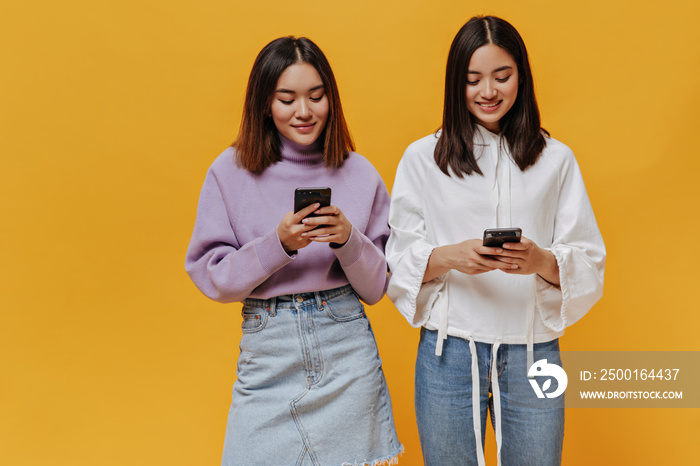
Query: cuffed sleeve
222, 269
408, 249
413, 298
362, 256
580, 253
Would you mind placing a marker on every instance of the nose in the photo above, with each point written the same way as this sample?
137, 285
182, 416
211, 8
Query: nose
303, 111
488, 91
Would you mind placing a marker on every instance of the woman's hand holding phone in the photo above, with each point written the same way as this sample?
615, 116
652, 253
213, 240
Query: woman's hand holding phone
526, 258
298, 230
329, 226
291, 229
470, 257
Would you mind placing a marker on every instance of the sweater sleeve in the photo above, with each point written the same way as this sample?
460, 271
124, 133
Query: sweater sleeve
362, 256
409, 249
219, 266
580, 252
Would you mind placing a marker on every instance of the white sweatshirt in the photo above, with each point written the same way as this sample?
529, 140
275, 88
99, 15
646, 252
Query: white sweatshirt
548, 201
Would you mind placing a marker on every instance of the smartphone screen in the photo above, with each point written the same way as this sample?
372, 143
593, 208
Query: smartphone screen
304, 197
495, 237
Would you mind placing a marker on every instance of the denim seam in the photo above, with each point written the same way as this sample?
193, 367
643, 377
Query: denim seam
318, 375
300, 428
302, 454
302, 340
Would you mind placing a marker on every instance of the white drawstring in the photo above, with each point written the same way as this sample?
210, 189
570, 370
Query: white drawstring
476, 401
476, 404
496, 199
507, 196
495, 190
530, 329
496, 398
442, 325
501, 195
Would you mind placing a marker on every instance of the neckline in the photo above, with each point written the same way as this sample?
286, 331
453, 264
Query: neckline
311, 154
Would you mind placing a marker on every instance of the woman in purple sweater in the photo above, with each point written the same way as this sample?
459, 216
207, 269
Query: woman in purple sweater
310, 388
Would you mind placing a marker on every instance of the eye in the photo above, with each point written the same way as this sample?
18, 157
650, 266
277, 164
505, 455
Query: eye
286, 102
472, 83
318, 96
502, 80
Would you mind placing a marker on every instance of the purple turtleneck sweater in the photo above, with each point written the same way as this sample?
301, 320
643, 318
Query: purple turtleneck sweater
235, 252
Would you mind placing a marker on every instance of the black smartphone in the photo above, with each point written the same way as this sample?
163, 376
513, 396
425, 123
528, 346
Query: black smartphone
304, 197
495, 237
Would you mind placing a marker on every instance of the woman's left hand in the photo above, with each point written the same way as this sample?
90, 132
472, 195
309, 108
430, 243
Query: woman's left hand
529, 258
336, 227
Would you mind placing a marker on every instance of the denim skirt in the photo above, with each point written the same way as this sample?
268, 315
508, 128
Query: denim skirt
310, 390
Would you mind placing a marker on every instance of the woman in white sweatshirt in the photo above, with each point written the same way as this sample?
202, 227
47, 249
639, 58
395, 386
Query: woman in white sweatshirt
487, 313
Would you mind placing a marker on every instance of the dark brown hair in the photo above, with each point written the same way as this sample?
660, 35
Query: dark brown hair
520, 126
258, 143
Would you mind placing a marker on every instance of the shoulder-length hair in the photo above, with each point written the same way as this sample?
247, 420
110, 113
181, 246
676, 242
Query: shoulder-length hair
520, 126
258, 143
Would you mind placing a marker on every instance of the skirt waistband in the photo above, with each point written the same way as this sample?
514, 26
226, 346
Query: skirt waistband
289, 300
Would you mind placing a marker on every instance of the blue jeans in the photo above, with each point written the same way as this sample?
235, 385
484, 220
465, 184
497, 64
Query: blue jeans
310, 389
532, 428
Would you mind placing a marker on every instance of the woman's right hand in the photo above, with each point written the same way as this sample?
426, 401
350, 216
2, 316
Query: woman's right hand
470, 257
290, 229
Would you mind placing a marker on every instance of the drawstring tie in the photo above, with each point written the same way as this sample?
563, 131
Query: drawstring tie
503, 196
496, 389
497, 198
442, 325
530, 329
476, 402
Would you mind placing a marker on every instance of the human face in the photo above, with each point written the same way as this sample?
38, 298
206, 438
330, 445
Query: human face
300, 105
492, 85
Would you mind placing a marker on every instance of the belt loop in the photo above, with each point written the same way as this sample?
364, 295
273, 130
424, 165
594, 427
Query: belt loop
273, 306
319, 300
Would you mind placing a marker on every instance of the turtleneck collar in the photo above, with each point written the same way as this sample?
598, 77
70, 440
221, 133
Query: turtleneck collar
301, 154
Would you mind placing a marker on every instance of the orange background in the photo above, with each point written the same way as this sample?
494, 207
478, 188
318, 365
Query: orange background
112, 111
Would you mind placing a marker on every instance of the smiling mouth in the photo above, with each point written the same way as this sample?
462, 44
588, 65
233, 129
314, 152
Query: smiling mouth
490, 105
306, 128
